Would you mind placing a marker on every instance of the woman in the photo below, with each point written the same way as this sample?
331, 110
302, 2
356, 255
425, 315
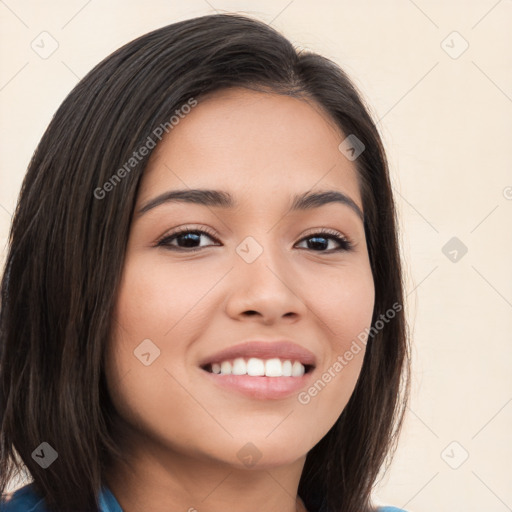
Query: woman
265, 368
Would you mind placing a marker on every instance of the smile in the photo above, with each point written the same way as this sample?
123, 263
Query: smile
259, 386
256, 367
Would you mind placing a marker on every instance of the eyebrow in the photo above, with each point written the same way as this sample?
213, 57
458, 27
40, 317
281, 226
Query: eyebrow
223, 199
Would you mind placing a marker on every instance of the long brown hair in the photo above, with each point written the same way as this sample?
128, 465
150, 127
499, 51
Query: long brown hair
68, 240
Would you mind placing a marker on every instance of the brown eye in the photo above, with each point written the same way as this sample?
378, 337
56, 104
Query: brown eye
186, 239
321, 240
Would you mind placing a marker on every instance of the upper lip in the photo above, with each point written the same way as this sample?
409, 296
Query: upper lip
282, 349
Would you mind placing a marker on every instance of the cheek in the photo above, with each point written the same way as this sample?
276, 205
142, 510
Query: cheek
343, 300
155, 296
158, 312
150, 303
344, 307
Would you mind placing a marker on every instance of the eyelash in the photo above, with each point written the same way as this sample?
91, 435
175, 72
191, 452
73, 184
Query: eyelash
344, 243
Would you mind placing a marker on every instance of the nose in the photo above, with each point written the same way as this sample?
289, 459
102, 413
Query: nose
265, 290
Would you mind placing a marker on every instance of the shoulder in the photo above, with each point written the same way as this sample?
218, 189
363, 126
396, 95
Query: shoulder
388, 508
23, 500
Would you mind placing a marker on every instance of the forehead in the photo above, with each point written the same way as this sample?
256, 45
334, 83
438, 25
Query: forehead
258, 144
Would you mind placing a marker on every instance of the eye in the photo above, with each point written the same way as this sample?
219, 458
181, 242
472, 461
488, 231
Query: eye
322, 238
188, 238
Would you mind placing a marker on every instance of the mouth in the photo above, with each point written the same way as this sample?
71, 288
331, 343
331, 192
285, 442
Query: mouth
261, 370
280, 358
257, 367
259, 387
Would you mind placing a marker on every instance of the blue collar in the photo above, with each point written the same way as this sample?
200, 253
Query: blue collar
107, 501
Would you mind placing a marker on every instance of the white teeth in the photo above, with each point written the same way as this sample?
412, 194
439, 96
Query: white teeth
239, 367
287, 368
256, 367
273, 368
225, 368
297, 369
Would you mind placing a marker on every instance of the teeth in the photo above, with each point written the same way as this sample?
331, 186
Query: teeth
273, 368
225, 368
287, 368
239, 367
297, 369
256, 367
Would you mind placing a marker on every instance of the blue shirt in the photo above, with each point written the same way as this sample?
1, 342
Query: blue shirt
26, 500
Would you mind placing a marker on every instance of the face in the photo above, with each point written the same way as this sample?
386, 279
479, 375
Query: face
255, 270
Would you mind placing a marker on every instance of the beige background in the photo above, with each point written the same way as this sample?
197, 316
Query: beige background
446, 120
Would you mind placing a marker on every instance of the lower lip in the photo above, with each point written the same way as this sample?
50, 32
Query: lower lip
261, 388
